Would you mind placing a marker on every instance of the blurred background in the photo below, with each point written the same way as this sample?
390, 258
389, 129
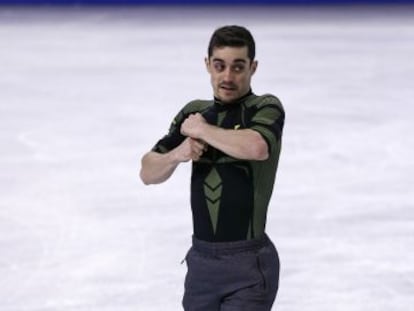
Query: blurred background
87, 87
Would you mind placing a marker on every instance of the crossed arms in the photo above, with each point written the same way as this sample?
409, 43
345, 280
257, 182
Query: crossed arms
244, 144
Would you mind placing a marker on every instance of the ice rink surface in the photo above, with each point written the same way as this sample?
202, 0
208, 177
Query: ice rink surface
84, 92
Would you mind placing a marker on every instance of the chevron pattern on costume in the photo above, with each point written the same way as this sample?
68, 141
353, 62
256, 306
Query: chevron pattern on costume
212, 190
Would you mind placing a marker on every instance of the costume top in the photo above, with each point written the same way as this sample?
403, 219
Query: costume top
229, 196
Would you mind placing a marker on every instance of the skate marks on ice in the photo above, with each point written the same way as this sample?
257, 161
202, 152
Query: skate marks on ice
84, 93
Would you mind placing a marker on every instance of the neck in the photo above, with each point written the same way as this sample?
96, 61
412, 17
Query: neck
218, 101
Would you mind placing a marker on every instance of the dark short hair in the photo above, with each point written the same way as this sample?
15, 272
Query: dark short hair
233, 36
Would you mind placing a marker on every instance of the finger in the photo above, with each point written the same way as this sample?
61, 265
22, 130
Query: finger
197, 144
200, 150
196, 152
203, 144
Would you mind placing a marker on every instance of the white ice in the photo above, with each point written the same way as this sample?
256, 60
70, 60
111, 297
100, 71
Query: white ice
85, 92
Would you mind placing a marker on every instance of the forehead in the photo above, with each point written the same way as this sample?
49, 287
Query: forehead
230, 54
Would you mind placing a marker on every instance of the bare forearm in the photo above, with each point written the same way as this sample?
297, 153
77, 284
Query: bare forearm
243, 144
156, 167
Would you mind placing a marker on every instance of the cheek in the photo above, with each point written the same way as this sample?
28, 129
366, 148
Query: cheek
243, 80
215, 79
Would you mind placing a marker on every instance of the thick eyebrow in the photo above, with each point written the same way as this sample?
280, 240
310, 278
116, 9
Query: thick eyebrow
237, 60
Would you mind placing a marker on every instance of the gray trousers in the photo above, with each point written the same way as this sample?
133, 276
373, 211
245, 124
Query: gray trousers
231, 276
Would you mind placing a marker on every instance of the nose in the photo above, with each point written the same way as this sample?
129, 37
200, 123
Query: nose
228, 75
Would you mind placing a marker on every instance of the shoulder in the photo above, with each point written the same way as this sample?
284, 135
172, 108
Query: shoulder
193, 106
265, 100
197, 105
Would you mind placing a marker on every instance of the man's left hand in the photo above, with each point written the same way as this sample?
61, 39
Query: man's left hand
194, 126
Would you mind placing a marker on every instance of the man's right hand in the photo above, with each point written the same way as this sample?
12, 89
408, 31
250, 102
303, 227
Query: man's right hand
189, 149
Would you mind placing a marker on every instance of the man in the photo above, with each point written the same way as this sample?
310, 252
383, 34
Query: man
234, 143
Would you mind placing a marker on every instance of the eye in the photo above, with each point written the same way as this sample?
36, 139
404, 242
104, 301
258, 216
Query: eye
218, 66
238, 68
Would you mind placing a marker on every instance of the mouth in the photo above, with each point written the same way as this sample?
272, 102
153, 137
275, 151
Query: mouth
228, 87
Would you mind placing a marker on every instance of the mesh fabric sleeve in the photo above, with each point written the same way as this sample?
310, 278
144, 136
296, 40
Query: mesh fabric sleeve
173, 138
268, 120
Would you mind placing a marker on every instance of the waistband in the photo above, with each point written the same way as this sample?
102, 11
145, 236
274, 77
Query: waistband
230, 248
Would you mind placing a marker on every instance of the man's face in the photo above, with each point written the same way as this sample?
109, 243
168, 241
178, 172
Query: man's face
231, 71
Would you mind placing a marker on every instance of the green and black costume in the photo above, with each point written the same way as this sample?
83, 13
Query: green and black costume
229, 196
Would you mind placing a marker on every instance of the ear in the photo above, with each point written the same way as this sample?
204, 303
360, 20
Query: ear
254, 65
207, 62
